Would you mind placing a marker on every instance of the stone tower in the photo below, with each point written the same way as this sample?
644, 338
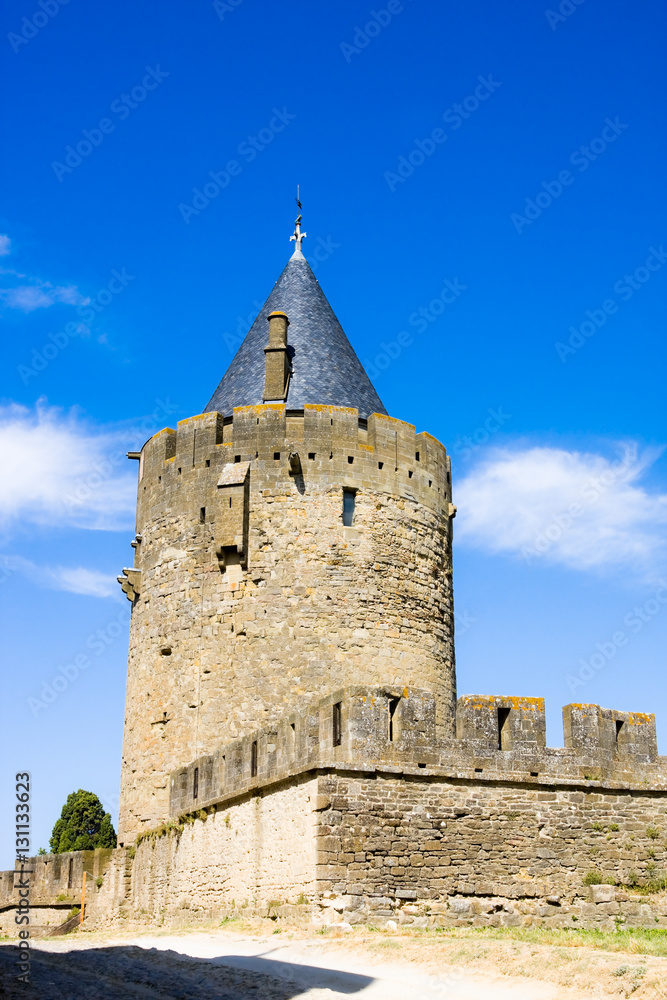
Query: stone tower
292, 539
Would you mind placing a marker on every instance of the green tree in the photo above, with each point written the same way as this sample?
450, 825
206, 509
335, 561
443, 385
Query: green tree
83, 825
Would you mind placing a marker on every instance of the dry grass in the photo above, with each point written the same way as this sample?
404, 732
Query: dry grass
583, 962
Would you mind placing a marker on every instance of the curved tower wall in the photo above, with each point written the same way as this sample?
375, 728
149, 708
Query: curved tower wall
250, 595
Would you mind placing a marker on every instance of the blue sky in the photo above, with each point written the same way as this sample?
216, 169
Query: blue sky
486, 180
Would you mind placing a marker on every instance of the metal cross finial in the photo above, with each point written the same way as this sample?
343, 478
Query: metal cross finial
298, 236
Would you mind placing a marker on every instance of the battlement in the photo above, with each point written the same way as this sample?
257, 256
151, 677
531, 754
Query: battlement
589, 728
380, 453
380, 729
502, 723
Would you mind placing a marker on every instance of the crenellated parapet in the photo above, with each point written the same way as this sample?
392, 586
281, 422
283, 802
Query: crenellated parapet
590, 729
390, 730
332, 442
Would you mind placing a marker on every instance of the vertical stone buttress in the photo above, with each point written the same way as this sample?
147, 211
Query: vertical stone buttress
251, 597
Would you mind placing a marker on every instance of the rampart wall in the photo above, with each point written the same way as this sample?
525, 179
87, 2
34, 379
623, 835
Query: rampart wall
353, 809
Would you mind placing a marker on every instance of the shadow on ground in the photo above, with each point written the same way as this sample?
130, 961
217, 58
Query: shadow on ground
123, 973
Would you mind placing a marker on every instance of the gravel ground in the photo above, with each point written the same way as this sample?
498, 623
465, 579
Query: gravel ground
224, 966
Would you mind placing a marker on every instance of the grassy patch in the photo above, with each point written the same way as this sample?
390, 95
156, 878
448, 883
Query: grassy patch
635, 940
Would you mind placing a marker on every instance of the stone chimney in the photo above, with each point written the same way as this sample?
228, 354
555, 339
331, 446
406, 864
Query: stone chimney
277, 360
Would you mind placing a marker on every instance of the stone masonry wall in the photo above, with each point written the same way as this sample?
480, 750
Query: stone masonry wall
260, 849
226, 638
55, 886
441, 851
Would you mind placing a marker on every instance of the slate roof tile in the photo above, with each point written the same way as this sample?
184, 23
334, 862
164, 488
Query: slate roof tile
326, 369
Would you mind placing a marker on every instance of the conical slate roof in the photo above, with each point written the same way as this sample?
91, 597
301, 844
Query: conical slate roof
325, 369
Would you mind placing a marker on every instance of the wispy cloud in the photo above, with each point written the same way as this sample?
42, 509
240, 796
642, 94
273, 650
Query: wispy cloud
577, 509
75, 580
58, 470
26, 293
39, 294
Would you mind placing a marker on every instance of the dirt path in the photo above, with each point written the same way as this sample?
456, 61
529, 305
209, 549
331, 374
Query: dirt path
227, 966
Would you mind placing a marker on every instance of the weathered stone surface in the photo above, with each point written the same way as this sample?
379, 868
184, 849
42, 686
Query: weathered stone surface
311, 606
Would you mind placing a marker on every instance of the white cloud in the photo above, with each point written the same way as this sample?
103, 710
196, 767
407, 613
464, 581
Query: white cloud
59, 471
75, 580
40, 295
5, 245
577, 509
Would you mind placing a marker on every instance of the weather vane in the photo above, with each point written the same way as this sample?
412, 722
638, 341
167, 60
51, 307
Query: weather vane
298, 236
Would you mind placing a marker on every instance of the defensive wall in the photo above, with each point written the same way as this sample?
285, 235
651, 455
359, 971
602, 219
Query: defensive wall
353, 809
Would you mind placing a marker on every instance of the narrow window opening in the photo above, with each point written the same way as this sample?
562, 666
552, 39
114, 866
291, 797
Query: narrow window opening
237, 458
208, 463
409, 473
230, 501
276, 455
69, 873
421, 765
253, 759
159, 479
202, 515
350, 459
337, 725
195, 783
619, 728
257, 419
393, 728
430, 482
478, 770
417, 455
330, 455
256, 454
534, 774
332, 421
311, 456
503, 728
349, 501
380, 465
179, 472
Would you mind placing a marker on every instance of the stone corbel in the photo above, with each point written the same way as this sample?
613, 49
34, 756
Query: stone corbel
130, 583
